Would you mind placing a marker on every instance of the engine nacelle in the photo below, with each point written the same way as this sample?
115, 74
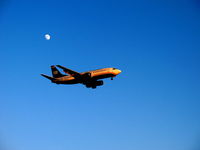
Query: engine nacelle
99, 83
94, 84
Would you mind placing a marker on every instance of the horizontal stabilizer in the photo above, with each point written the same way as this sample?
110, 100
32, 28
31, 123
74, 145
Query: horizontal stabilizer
48, 77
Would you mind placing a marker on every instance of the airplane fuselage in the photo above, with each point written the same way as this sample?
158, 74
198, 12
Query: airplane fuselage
90, 79
95, 75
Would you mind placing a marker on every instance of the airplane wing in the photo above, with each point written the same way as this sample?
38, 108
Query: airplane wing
69, 71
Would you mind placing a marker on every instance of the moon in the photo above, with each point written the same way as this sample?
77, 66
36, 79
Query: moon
47, 37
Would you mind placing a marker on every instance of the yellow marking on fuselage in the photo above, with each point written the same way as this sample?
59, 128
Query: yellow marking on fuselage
55, 72
99, 71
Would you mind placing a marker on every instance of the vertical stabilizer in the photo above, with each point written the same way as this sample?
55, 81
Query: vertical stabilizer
55, 72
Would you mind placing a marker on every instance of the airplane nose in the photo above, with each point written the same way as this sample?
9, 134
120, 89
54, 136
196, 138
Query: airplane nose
117, 71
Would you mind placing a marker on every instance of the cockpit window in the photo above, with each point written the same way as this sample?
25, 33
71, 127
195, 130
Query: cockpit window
114, 68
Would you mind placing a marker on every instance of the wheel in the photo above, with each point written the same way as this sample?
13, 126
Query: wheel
87, 86
94, 87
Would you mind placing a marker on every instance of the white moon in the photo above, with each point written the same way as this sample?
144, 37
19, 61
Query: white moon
47, 37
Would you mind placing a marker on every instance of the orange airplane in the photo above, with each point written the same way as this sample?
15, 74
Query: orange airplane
90, 78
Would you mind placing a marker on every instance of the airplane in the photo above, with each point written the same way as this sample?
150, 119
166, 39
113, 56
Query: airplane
91, 79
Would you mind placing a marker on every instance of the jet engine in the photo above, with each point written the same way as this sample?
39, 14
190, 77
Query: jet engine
94, 84
99, 83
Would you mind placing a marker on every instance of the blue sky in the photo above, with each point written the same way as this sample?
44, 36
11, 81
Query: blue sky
153, 104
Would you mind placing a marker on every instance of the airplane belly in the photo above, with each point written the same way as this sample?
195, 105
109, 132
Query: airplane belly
71, 82
68, 80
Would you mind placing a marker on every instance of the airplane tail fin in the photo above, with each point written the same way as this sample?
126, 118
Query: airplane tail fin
48, 77
55, 72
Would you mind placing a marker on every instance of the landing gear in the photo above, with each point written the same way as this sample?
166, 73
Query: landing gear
111, 78
93, 87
